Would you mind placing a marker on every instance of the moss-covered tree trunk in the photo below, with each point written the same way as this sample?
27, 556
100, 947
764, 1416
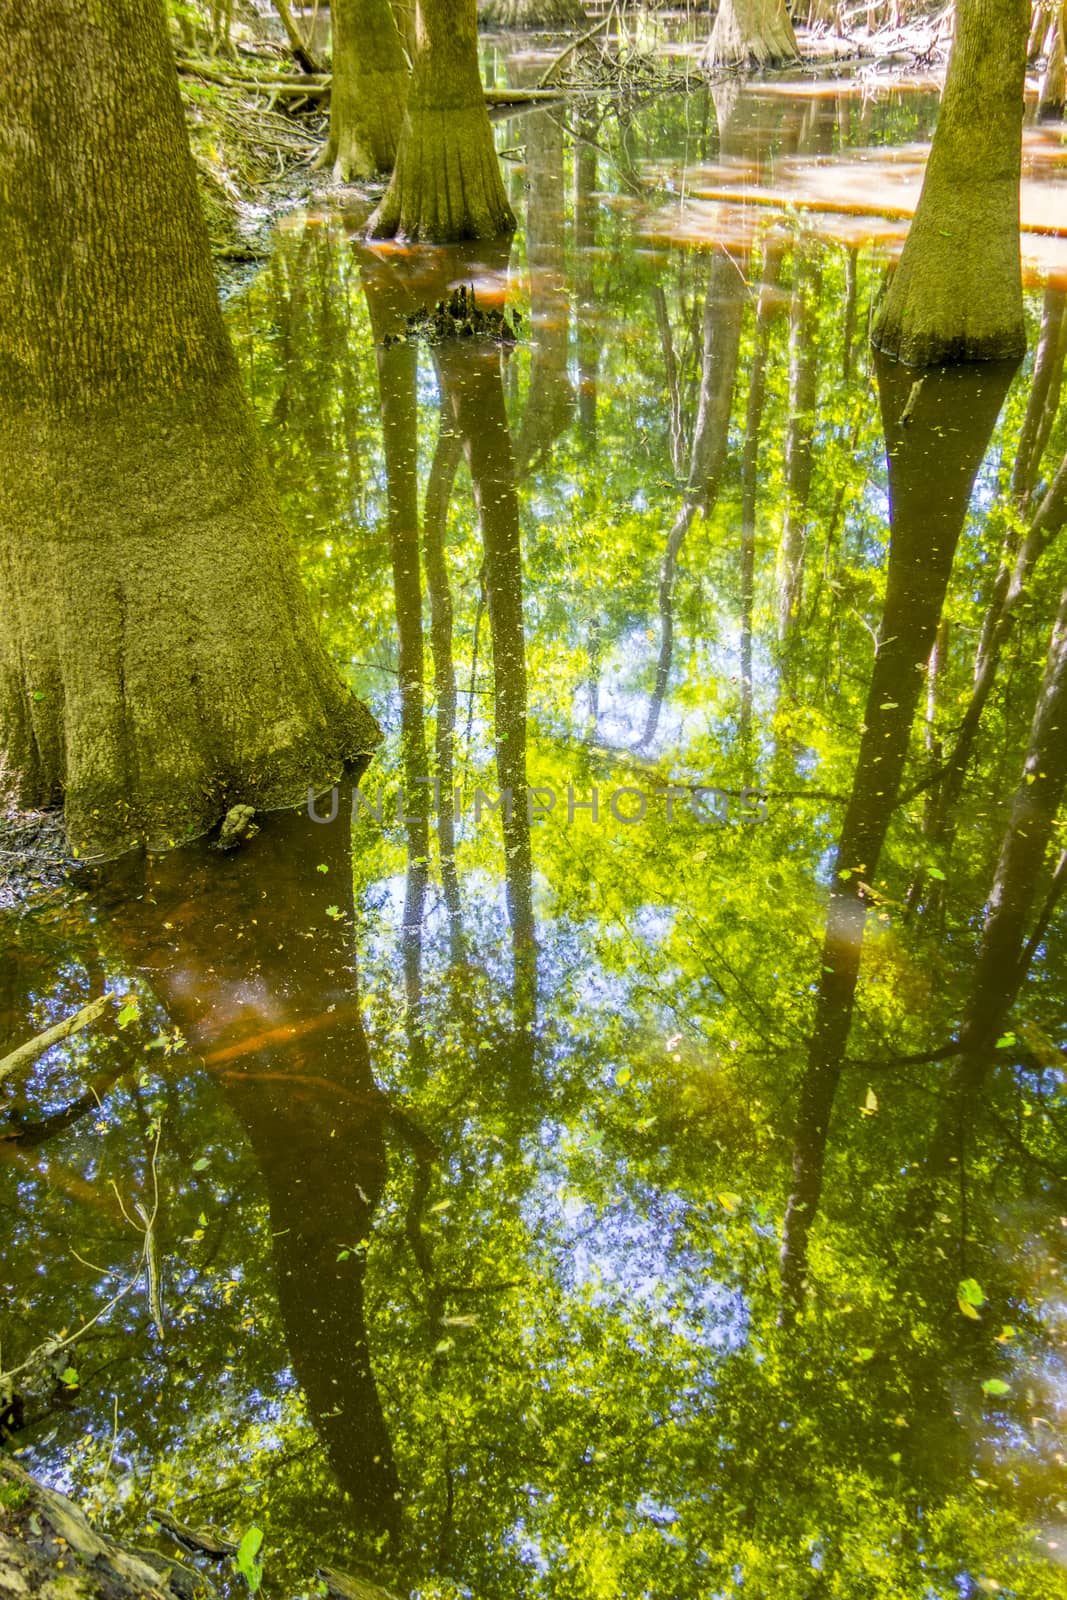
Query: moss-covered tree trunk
751, 33
957, 292
158, 657
446, 184
368, 90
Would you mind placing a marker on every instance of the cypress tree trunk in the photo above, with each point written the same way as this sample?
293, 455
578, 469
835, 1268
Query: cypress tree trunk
446, 184
957, 292
751, 33
370, 85
158, 658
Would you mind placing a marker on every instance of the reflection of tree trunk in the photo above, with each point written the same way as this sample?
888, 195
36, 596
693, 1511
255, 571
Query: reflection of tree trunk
472, 379
1044, 397
757, 389
275, 1017
1009, 590
851, 294
803, 376
950, 425
434, 520
550, 397
397, 381
1001, 967
723, 308
586, 329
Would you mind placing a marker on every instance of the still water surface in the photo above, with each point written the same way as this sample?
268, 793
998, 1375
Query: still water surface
661, 1195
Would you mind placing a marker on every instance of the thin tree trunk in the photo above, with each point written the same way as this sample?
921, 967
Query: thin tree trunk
158, 661
302, 52
957, 293
446, 185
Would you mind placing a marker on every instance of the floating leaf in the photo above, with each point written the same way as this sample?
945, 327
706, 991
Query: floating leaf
69, 1376
247, 1559
870, 1103
729, 1202
322, 867
865, 1353
199, 1165
335, 912
971, 1292
996, 1386
623, 1076
935, 872
1005, 1041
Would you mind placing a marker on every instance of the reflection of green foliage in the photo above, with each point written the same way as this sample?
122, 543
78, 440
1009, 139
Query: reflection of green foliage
573, 1310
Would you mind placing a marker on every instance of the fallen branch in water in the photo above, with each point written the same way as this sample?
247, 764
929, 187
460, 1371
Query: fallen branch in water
29, 1052
597, 27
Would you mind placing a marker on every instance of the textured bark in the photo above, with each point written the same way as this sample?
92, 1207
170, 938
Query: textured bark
950, 426
956, 294
158, 658
506, 14
368, 91
751, 33
446, 185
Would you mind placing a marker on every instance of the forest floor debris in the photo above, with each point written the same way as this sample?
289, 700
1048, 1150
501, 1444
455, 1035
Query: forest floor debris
34, 858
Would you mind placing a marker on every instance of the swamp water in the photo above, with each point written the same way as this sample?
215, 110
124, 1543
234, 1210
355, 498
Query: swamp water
469, 1134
